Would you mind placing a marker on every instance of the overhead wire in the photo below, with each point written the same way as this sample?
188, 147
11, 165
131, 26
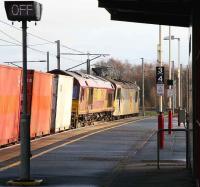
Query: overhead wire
39, 44
9, 45
71, 59
9, 36
38, 37
51, 54
37, 50
10, 25
83, 63
19, 43
72, 49
9, 42
41, 38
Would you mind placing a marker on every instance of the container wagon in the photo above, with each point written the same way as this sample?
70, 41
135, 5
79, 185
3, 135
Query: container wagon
10, 103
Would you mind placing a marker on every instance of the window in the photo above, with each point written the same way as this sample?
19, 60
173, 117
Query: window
90, 100
136, 96
118, 93
82, 94
75, 92
110, 99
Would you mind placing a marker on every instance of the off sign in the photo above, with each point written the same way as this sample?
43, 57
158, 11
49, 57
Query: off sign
23, 10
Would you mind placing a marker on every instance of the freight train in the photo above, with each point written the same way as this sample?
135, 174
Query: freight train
60, 100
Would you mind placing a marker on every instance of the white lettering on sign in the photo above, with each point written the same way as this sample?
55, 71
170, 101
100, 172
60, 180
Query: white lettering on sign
21, 10
160, 70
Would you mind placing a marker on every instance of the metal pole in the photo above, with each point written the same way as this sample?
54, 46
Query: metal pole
170, 64
187, 80
58, 54
170, 77
179, 80
88, 65
173, 102
161, 115
181, 85
143, 110
25, 125
160, 60
48, 61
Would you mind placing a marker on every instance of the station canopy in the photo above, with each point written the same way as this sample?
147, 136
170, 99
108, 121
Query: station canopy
163, 12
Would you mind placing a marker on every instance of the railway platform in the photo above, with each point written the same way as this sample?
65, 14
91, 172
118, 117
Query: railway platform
111, 154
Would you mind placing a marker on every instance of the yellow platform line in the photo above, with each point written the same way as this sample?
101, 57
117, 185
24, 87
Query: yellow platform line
67, 143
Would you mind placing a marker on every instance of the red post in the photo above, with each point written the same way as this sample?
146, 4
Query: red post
161, 126
170, 121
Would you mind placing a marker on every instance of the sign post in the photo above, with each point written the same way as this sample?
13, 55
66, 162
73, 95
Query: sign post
24, 11
160, 80
160, 77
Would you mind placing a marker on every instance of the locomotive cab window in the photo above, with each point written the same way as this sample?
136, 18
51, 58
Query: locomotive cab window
110, 100
76, 91
82, 94
118, 93
91, 92
136, 96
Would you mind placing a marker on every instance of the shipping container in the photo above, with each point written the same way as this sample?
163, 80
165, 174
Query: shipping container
39, 102
63, 89
10, 100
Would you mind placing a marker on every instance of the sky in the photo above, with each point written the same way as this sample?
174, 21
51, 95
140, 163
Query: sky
82, 25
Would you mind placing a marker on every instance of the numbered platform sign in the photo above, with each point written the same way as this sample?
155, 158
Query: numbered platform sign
160, 75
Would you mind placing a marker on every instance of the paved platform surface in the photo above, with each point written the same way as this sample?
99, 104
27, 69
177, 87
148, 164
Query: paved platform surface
141, 170
122, 156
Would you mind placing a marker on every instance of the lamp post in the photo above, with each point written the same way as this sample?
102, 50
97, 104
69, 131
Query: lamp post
179, 75
143, 111
179, 80
170, 83
174, 93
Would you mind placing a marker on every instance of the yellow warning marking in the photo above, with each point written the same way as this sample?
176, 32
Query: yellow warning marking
67, 143
25, 183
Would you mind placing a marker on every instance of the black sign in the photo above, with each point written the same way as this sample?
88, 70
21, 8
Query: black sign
170, 82
23, 10
160, 75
